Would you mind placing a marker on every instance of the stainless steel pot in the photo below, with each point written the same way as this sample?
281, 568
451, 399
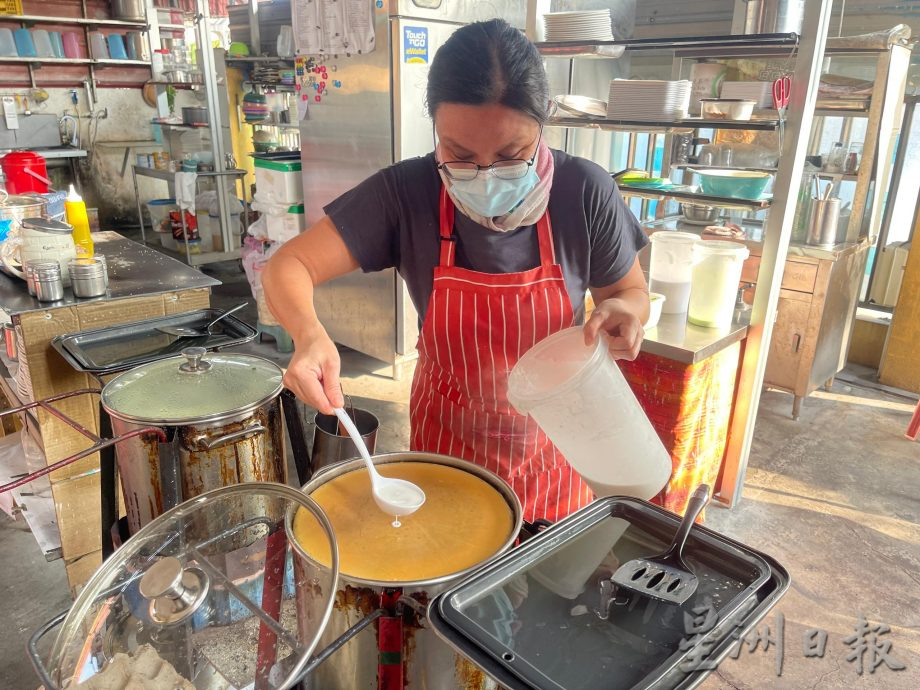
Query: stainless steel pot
426, 660
697, 213
221, 414
17, 207
195, 115
128, 9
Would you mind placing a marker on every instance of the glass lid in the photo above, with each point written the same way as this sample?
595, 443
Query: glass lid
208, 595
546, 615
196, 387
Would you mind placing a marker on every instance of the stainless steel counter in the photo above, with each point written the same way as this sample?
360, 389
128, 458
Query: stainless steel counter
54, 152
675, 338
134, 271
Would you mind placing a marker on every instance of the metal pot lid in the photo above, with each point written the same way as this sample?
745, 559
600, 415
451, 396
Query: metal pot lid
541, 616
47, 225
193, 388
22, 201
208, 587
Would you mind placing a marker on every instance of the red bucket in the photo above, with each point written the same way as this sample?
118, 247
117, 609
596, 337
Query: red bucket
25, 172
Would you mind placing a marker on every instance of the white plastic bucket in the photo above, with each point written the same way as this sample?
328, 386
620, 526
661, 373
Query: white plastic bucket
671, 268
580, 399
716, 275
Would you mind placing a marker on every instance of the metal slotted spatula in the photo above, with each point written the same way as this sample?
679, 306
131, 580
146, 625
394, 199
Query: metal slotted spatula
665, 577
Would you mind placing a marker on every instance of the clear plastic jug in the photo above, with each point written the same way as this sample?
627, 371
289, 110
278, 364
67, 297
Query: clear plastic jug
671, 268
716, 276
580, 399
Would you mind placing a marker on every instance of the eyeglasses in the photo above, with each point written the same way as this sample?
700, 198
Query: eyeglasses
509, 169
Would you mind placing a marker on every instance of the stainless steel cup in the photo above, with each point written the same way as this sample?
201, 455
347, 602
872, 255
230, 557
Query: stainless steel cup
822, 223
49, 286
329, 448
88, 277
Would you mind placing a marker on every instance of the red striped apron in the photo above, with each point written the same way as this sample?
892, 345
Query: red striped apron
477, 327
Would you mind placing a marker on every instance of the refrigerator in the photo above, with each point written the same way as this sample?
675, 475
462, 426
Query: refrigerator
378, 117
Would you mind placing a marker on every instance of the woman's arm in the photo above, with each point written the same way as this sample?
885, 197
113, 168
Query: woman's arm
620, 310
310, 259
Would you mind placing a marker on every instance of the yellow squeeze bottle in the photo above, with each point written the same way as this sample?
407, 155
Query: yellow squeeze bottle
75, 210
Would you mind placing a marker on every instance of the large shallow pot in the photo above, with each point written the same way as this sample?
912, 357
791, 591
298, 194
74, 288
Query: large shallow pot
221, 414
425, 661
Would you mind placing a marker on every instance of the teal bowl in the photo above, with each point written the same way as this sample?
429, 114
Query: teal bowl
736, 184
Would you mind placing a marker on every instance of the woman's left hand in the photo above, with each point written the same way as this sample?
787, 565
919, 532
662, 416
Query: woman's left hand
616, 317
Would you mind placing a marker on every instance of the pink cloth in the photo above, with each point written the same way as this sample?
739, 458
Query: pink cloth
529, 211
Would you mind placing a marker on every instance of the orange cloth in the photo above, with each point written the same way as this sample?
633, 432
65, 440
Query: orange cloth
690, 407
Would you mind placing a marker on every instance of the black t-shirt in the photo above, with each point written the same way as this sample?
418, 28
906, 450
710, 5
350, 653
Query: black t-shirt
391, 220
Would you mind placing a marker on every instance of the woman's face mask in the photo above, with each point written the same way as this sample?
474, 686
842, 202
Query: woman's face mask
492, 196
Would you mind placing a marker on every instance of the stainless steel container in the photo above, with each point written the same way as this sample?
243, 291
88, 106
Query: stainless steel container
88, 277
822, 223
773, 16
195, 115
222, 417
30, 278
49, 284
427, 661
132, 10
331, 448
697, 213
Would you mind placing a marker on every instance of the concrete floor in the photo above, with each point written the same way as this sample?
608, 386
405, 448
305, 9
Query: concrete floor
833, 497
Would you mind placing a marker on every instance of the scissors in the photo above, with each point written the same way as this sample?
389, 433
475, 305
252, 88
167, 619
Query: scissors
782, 87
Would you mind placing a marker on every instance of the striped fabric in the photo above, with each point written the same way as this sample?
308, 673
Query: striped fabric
477, 327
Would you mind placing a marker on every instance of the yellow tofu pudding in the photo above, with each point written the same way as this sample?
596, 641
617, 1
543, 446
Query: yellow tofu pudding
463, 522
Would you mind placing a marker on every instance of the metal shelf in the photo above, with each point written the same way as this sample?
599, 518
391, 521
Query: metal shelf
178, 84
179, 125
37, 19
666, 127
576, 49
74, 61
278, 125
173, 27
257, 59
170, 176
696, 198
110, 62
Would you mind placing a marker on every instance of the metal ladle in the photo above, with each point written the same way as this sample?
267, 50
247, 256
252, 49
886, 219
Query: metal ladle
396, 497
187, 332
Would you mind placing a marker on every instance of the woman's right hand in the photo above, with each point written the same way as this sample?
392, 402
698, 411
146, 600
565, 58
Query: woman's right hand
313, 374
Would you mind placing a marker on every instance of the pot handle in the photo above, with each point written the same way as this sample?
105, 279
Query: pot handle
235, 436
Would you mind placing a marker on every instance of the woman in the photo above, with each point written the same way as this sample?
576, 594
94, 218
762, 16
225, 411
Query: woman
498, 238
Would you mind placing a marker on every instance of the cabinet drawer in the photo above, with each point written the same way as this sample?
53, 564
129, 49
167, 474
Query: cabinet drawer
798, 276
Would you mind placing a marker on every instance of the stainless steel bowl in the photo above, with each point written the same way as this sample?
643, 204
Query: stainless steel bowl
700, 214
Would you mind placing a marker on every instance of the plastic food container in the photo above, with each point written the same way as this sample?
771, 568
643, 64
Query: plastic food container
737, 184
671, 269
285, 226
716, 274
279, 181
159, 210
580, 399
727, 108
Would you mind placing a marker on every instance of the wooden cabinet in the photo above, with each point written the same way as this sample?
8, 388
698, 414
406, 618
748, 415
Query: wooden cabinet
789, 338
814, 319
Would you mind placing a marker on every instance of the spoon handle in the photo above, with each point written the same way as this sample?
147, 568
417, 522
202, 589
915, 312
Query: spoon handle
352, 430
226, 314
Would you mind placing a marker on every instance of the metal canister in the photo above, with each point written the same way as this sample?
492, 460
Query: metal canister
88, 277
49, 285
30, 279
822, 223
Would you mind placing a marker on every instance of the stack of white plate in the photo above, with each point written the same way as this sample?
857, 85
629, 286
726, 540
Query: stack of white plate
591, 25
648, 99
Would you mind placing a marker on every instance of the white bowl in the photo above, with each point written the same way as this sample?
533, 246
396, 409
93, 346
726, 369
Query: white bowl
656, 302
727, 108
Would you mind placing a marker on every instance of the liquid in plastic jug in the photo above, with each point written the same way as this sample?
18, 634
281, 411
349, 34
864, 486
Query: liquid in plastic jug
581, 400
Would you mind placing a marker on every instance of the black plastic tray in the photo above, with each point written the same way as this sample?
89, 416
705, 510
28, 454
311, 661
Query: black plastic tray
125, 346
766, 582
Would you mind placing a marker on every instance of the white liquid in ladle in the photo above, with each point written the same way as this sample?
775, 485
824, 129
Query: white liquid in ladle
394, 496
